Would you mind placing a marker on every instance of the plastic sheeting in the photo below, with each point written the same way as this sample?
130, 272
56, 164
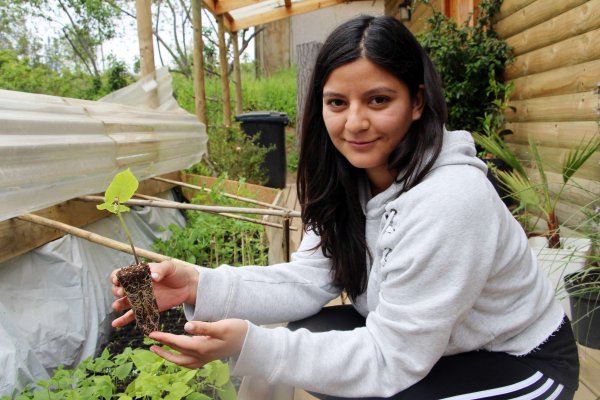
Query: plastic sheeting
53, 149
55, 300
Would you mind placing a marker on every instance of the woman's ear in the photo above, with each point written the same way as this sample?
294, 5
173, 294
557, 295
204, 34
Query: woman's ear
418, 103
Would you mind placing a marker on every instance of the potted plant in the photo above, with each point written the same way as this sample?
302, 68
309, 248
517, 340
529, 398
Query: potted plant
583, 288
557, 256
135, 278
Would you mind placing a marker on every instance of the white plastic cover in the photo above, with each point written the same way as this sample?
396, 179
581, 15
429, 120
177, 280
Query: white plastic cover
53, 149
55, 300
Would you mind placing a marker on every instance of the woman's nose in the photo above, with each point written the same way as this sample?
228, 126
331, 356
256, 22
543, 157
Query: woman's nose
356, 120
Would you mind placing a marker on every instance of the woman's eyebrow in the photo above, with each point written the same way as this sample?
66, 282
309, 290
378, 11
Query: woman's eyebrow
370, 92
380, 89
332, 94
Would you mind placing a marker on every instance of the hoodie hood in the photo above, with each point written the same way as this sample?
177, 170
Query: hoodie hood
458, 148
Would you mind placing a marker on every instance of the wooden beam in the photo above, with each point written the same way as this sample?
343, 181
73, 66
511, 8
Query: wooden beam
98, 239
224, 6
237, 74
211, 5
564, 26
145, 38
534, 14
572, 51
19, 237
288, 3
555, 134
570, 79
224, 75
282, 12
567, 107
199, 85
510, 7
553, 157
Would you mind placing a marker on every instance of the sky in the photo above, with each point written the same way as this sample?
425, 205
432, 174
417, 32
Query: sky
125, 46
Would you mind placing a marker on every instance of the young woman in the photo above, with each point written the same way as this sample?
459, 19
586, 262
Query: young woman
447, 299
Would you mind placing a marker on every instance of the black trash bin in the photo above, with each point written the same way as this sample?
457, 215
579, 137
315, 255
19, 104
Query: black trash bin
271, 126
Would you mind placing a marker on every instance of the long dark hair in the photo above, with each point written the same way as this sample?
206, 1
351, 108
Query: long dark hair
327, 182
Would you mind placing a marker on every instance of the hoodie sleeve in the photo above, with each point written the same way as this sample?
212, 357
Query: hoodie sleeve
266, 295
434, 261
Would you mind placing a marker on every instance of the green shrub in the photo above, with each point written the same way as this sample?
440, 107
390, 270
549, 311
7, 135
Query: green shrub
273, 93
471, 62
234, 153
133, 374
276, 92
211, 240
24, 76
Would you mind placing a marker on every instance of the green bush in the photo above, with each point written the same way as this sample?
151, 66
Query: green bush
273, 93
471, 62
133, 374
24, 76
235, 154
231, 151
211, 240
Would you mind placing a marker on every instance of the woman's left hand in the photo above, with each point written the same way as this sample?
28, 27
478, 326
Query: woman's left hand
211, 341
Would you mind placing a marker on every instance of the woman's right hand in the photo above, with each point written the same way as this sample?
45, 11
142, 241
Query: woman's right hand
173, 285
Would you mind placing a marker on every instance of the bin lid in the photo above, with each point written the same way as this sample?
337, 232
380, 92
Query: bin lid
263, 116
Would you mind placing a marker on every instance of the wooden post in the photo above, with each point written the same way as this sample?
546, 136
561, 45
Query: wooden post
286, 239
224, 75
144, 28
237, 74
307, 54
199, 86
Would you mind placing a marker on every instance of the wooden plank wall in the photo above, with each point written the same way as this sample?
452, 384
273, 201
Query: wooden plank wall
557, 68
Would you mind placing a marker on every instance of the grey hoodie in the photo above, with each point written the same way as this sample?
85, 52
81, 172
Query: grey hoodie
452, 272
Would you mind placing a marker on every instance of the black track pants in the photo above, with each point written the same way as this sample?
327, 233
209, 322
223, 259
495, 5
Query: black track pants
552, 372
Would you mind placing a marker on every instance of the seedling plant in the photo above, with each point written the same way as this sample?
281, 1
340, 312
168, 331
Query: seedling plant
133, 374
135, 278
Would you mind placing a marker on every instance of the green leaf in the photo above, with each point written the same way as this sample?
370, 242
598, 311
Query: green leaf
123, 371
228, 392
145, 360
177, 391
121, 189
198, 396
578, 156
185, 375
220, 373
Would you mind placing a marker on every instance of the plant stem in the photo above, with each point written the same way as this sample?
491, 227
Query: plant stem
137, 261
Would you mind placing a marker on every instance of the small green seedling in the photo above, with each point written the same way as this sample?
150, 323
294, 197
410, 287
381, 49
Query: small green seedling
135, 279
121, 189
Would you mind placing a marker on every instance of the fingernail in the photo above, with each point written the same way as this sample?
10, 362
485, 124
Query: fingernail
188, 327
154, 275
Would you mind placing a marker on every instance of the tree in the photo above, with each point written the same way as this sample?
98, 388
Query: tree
172, 28
81, 25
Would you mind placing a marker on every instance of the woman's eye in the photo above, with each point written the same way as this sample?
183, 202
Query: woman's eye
378, 100
335, 103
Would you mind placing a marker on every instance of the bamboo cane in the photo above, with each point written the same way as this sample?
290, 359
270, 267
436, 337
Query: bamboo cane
231, 196
99, 239
198, 207
228, 215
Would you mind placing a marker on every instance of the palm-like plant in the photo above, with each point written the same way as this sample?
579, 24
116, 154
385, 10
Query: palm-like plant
537, 195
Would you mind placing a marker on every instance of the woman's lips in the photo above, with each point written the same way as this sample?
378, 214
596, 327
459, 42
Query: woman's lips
361, 144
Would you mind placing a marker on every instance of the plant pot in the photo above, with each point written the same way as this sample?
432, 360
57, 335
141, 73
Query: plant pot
584, 297
558, 263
